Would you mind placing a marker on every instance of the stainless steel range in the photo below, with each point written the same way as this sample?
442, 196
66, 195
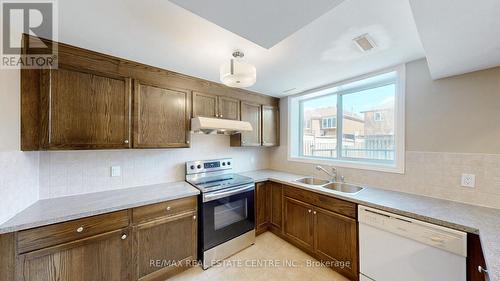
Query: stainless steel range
226, 209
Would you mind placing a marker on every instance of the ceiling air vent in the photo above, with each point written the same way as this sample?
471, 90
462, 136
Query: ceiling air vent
364, 42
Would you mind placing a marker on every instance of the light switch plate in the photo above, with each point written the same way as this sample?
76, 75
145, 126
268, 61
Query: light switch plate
468, 180
116, 171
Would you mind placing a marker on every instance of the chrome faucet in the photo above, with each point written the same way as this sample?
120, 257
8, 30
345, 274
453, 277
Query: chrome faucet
333, 174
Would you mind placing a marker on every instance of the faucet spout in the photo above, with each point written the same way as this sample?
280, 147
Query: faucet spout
332, 174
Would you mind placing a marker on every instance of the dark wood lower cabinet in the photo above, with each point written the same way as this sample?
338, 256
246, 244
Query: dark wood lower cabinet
101, 257
276, 206
299, 222
336, 241
165, 246
475, 259
261, 208
152, 242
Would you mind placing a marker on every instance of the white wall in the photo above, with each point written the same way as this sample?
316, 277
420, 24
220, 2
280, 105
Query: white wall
435, 157
18, 170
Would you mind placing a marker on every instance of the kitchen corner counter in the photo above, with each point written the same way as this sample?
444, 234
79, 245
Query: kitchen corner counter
469, 218
61, 209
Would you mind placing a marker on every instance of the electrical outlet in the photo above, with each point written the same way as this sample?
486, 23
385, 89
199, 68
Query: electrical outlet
116, 171
468, 180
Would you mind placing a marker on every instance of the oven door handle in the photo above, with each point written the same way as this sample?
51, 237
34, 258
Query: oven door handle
225, 193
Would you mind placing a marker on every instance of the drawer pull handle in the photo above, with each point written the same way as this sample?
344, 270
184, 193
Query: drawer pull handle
194, 217
126, 141
168, 208
124, 236
80, 229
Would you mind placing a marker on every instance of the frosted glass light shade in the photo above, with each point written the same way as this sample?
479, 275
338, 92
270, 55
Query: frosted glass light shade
238, 74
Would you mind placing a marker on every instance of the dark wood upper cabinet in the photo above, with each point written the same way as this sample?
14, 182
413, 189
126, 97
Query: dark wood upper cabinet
205, 105
101, 257
251, 113
90, 102
161, 116
229, 108
298, 226
150, 244
270, 125
212, 106
335, 240
84, 110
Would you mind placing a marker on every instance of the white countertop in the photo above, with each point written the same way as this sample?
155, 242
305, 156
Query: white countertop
469, 218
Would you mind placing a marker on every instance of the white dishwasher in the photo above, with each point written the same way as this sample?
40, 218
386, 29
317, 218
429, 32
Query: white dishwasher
396, 248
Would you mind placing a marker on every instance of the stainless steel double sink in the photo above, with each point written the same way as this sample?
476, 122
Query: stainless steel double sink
335, 186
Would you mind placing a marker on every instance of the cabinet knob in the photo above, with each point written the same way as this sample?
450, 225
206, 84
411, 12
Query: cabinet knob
126, 141
194, 217
80, 229
309, 211
482, 270
187, 142
314, 212
169, 208
221, 116
124, 236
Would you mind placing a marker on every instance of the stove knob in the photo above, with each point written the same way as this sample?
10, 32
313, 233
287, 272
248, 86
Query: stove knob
199, 166
223, 163
228, 163
192, 167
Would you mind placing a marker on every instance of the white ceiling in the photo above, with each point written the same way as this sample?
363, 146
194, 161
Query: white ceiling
162, 34
458, 36
263, 22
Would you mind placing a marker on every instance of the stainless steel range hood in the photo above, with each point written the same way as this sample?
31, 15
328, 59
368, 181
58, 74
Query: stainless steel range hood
219, 126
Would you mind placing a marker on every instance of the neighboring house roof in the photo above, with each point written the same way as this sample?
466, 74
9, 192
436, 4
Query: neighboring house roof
322, 112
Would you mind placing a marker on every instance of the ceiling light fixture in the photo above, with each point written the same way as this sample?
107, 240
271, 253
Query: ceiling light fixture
237, 73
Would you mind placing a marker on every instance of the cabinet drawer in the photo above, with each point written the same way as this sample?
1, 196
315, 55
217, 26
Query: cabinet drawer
46, 236
323, 201
164, 209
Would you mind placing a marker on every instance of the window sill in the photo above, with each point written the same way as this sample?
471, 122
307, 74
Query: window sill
351, 164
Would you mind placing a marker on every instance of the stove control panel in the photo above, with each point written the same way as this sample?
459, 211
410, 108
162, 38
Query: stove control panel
204, 166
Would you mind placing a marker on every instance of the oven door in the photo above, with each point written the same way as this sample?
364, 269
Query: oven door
227, 214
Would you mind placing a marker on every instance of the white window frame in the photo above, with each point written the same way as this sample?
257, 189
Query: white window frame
294, 126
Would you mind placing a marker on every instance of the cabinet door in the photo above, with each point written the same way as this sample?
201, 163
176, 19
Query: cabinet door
83, 110
276, 195
298, 225
270, 125
165, 246
335, 240
161, 116
229, 108
205, 105
251, 113
101, 257
261, 207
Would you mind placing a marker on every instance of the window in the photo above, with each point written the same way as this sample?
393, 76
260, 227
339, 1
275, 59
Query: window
379, 116
370, 132
329, 123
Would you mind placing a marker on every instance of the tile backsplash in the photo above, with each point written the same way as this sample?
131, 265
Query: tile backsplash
434, 174
66, 173
18, 181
